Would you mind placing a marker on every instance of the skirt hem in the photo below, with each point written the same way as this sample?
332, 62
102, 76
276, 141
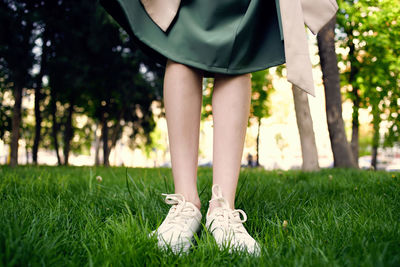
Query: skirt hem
160, 55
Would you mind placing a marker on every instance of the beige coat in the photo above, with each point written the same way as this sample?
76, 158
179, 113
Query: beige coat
294, 13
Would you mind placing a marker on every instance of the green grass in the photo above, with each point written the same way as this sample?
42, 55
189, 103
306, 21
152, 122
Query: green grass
63, 216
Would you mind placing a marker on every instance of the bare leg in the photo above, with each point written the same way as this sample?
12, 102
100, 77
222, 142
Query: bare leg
182, 101
231, 107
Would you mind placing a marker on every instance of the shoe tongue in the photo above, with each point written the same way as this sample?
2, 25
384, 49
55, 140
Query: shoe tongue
216, 191
217, 195
217, 211
190, 207
223, 203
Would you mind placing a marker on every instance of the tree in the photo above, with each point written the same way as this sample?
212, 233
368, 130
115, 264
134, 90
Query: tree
5, 109
370, 30
92, 68
16, 58
42, 17
306, 130
340, 147
305, 127
123, 83
259, 108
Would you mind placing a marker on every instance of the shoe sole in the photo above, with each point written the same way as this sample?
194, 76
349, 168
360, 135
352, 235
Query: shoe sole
175, 248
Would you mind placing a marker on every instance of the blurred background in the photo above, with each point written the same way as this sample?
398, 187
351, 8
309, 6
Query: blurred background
75, 90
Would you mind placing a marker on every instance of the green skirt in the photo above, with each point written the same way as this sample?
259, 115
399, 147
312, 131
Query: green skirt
216, 36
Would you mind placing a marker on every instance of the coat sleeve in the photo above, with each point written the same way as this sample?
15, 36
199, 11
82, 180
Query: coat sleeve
298, 63
317, 13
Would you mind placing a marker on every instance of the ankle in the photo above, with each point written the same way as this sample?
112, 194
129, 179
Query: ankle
195, 200
197, 203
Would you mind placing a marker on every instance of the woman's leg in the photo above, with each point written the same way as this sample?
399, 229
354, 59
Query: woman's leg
182, 101
231, 108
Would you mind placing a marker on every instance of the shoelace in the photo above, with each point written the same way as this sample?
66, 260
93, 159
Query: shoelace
180, 212
230, 217
226, 215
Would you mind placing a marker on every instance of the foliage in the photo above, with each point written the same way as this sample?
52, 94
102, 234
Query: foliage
208, 87
92, 67
5, 115
369, 30
261, 88
16, 56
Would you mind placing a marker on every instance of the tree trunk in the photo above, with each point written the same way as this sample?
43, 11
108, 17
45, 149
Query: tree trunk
38, 119
16, 123
258, 142
116, 129
69, 131
96, 147
375, 139
38, 98
306, 131
26, 154
53, 109
354, 69
374, 157
104, 136
342, 154
355, 128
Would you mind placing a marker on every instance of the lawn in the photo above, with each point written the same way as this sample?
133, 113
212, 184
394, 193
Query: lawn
63, 216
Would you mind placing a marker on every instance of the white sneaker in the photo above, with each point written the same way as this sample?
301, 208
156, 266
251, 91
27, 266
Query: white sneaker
226, 226
178, 228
